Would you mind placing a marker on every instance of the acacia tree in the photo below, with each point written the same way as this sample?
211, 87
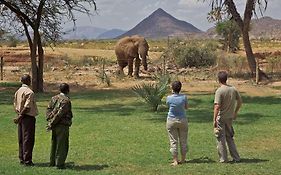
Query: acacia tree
231, 33
40, 20
221, 7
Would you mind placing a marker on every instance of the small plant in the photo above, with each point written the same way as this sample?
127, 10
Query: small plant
103, 76
152, 93
87, 61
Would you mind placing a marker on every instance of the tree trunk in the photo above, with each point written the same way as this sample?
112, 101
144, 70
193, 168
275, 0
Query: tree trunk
249, 51
40, 65
34, 68
251, 57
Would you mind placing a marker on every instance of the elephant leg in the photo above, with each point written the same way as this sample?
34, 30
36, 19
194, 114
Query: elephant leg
137, 67
130, 67
120, 70
122, 64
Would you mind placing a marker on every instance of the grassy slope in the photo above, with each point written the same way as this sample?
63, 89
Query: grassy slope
113, 133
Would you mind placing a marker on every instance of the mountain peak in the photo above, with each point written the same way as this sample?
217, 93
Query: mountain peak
159, 11
161, 24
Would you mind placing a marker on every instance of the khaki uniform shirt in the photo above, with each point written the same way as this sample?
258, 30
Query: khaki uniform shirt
226, 97
24, 97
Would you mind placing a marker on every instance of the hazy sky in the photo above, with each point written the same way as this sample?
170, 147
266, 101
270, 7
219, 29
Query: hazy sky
125, 14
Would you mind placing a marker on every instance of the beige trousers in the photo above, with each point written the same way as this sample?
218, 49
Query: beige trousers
177, 133
225, 136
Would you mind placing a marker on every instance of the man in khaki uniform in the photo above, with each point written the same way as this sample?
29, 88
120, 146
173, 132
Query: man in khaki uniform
26, 109
59, 117
226, 106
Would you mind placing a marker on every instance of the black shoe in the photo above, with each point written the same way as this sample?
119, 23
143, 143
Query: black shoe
29, 164
61, 167
22, 162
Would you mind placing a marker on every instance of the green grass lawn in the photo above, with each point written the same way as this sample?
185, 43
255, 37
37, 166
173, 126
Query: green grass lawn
114, 133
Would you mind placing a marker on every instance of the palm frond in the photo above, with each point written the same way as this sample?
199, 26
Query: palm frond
152, 93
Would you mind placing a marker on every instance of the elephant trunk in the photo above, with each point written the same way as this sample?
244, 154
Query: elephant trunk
144, 62
143, 52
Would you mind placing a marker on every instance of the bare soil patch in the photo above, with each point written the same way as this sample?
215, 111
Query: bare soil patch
17, 62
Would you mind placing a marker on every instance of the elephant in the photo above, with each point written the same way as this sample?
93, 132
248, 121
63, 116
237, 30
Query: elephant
131, 48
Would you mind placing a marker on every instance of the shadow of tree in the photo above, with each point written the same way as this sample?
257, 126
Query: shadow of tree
200, 93
6, 97
248, 118
200, 115
102, 94
261, 100
197, 115
120, 109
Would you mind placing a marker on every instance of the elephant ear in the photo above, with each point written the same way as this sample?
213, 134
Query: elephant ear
131, 49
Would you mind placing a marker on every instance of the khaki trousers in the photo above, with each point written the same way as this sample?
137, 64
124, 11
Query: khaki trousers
177, 133
225, 135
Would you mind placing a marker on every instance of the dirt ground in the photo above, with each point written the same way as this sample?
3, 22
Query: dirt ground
17, 62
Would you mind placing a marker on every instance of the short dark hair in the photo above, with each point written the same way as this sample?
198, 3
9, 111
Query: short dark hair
26, 79
176, 86
222, 76
64, 88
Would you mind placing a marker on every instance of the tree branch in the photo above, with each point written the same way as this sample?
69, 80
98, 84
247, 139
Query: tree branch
248, 13
17, 11
39, 13
233, 11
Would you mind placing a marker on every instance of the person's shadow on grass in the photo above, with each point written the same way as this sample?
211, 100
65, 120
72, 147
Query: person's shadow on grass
72, 166
243, 160
201, 160
252, 160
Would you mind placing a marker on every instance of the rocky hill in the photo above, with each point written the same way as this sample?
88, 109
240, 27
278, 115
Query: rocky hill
111, 34
83, 32
266, 27
161, 24
262, 28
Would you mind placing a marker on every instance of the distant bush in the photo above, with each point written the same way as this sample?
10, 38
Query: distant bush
232, 62
194, 55
10, 84
231, 33
274, 63
12, 41
85, 60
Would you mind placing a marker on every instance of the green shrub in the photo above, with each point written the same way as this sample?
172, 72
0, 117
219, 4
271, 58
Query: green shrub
10, 84
152, 93
12, 41
231, 33
194, 55
274, 63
